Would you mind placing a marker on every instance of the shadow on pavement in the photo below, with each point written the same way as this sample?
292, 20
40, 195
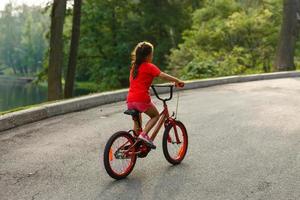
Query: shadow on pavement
128, 188
171, 182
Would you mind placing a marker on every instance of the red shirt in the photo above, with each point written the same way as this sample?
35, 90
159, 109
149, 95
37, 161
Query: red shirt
139, 87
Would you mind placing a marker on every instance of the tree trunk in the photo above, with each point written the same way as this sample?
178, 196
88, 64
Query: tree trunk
284, 59
56, 50
70, 79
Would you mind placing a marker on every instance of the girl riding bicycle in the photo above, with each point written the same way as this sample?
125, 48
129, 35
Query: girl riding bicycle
142, 73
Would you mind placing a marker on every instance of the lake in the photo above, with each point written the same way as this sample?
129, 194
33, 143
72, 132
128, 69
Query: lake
15, 93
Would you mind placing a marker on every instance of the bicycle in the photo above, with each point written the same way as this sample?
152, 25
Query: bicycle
123, 147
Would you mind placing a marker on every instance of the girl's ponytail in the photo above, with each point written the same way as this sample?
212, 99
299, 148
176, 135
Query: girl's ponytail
139, 55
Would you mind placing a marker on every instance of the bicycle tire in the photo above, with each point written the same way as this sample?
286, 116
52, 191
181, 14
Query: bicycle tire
182, 152
108, 154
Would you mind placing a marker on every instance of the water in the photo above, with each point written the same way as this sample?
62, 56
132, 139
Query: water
14, 94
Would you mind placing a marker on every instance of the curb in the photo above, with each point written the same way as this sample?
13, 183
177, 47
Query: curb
18, 118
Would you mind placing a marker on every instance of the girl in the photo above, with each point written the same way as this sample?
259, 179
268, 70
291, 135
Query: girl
141, 76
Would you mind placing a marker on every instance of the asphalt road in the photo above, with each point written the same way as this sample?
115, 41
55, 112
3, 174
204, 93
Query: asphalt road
244, 143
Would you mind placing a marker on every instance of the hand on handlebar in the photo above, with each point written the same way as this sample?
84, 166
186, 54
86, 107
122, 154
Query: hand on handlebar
179, 84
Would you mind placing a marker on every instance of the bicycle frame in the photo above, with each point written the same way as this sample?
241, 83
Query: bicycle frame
164, 117
124, 147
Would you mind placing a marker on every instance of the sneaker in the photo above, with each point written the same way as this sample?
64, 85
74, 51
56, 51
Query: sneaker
146, 139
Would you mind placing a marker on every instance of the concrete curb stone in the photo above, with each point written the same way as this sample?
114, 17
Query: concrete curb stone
18, 118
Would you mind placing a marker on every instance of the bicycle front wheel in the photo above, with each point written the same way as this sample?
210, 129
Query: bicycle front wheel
175, 142
119, 155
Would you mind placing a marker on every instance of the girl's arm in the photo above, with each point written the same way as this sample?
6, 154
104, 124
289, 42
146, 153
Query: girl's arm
178, 82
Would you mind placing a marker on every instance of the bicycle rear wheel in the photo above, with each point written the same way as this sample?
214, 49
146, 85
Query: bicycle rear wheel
119, 155
175, 142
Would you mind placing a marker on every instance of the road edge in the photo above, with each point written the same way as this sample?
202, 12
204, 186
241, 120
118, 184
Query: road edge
18, 118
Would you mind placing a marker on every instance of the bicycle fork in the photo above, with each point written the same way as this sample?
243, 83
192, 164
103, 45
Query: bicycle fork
172, 121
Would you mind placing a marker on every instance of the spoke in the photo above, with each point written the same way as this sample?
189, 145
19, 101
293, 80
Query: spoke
120, 165
123, 165
174, 148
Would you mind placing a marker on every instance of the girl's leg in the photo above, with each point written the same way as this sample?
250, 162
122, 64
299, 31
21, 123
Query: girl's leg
154, 116
136, 125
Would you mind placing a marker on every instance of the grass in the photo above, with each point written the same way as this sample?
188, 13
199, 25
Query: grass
93, 87
21, 108
27, 107
17, 109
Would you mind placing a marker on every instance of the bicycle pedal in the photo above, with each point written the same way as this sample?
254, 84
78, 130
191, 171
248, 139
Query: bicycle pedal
147, 144
143, 155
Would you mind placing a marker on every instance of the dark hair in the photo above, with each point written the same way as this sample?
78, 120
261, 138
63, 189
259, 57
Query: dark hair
139, 55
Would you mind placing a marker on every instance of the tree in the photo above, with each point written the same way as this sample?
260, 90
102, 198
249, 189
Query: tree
22, 41
111, 28
33, 42
70, 77
228, 37
284, 59
56, 50
9, 38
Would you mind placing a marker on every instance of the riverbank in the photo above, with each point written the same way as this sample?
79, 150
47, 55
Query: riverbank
89, 87
18, 93
17, 79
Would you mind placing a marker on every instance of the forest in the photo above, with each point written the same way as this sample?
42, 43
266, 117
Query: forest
23, 41
87, 44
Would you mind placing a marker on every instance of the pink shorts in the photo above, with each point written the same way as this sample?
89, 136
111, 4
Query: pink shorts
140, 106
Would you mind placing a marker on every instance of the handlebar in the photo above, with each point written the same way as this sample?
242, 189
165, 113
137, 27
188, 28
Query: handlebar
163, 86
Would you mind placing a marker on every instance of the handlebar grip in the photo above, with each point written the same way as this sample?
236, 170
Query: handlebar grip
181, 84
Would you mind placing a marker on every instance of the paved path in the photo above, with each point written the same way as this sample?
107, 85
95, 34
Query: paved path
244, 144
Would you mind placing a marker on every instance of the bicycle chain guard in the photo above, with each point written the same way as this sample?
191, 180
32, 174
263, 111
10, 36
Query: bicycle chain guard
143, 148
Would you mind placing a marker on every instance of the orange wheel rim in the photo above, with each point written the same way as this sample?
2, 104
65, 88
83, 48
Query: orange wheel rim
119, 162
181, 150
110, 155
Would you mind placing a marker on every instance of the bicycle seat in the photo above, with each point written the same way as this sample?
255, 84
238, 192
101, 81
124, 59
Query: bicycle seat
133, 112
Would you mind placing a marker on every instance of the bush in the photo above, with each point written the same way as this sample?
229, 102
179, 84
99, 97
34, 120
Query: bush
228, 37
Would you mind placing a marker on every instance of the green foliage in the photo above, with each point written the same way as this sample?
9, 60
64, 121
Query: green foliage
111, 28
192, 38
22, 41
228, 37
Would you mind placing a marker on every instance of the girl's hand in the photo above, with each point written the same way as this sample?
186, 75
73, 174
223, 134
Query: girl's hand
179, 83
